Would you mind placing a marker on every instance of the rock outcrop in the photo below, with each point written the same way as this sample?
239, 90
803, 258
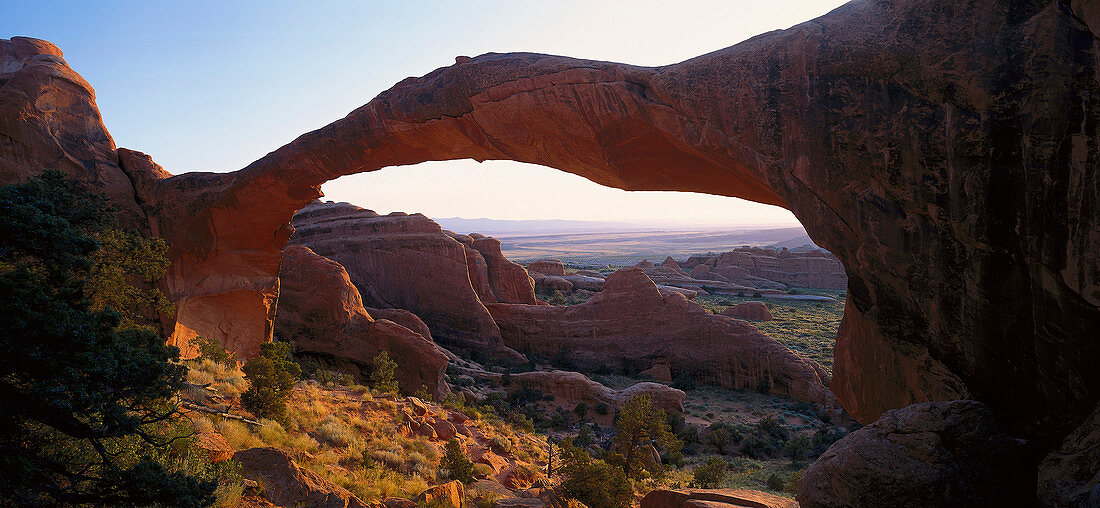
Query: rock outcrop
931, 454
751, 311
752, 266
1069, 475
547, 267
579, 388
407, 262
49, 120
714, 498
321, 312
634, 323
286, 484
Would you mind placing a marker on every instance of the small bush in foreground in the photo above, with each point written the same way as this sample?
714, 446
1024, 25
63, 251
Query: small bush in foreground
711, 473
272, 375
457, 464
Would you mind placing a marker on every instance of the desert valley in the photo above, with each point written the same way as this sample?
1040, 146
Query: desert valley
929, 337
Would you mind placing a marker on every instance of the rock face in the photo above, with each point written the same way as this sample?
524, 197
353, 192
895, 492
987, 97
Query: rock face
321, 312
286, 484
1068, 475
632, 320
407, 262
714, 498
752, 311
929, 454
49, 120
577, 387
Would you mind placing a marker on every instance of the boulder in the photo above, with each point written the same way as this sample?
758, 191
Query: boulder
321, 312
547, 267
448, 495
585, 282
658, 372
751, 311
444, 430
930, 454
631, 320
407, 262
714, 498
214, 445
286, 484
555, 283
1069, 475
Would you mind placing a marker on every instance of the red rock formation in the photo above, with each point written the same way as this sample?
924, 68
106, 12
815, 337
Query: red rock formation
943, 151
816, 269
509, 281
286, 484
578, 387
547, 267
632, 320
752, 311
321, 312
406, 262
714, 498
938, 454
49, 120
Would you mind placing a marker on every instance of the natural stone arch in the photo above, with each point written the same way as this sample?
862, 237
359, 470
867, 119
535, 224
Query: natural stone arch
944, 151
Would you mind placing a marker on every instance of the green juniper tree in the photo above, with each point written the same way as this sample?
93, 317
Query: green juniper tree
639, 425
271, 376
85, 391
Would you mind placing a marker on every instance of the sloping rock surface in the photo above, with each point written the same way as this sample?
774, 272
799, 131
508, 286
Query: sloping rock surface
321, 312
932, 454
578, 387
286, 484
716, 498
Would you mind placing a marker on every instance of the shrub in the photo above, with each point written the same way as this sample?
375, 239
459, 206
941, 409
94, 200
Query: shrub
457, 464
775, 482
382, 378
272, 375
756, 294
500, 444
684, 381
210, 350
581, 410
335, 431
637, 426
711, 473
602, 409
593, 482
798, 448
723, 436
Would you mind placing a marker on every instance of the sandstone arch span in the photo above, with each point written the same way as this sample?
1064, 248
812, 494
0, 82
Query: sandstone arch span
945, 151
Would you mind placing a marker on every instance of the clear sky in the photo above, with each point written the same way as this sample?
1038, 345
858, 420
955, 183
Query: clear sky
213, 85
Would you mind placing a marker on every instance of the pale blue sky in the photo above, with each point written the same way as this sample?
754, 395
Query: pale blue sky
212, 86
